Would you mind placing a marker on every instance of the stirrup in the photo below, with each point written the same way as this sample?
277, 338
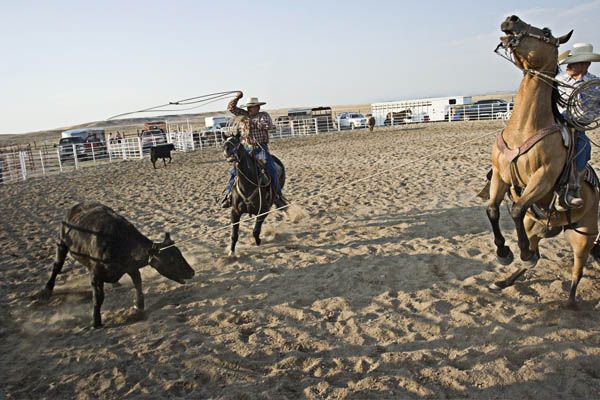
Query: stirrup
574, 201
279, 202
226, 202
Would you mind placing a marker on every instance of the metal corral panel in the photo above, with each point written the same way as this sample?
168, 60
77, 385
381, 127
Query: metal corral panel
419, 110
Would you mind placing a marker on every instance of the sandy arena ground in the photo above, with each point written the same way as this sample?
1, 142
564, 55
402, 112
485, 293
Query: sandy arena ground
380, 292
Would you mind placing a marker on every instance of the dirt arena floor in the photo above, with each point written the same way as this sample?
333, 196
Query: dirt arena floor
379, 292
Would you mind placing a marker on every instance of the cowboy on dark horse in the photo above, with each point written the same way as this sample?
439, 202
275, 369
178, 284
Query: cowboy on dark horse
255, 138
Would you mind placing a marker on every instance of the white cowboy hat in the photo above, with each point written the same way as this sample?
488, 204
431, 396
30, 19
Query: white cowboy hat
582, 52
253, 101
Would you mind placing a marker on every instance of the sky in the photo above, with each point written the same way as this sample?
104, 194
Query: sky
70, 62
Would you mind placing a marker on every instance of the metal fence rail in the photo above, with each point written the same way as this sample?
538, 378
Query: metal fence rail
462, 112
21, 165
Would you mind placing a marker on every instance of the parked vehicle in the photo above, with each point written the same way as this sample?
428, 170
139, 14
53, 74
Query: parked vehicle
97, 133
70, 146
217, 121
350, 120
155, 126
481, 110
152, 138
487, 109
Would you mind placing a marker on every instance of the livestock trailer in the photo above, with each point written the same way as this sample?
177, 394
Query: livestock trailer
420, 110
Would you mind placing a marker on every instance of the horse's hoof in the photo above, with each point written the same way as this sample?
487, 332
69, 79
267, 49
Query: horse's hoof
258, 241
507, 259
43, 295
97, 326
572, 305
532, 261
503, 284
231, 253
497, 286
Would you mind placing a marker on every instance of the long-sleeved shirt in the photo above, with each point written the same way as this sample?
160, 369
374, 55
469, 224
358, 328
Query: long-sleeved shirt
254, 128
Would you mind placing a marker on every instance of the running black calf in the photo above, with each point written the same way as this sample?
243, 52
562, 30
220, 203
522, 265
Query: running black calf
110, 246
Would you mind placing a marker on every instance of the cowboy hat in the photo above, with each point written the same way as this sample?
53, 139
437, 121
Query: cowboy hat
253, 101
582, 52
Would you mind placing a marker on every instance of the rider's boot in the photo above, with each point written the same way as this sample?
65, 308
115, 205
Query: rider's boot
280, 201
226, 202
574, 198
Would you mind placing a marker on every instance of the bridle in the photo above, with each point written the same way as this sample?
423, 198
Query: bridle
233, 155
514, 40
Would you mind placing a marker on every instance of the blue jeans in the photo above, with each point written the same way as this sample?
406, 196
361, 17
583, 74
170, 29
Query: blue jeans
261, 153
583, 150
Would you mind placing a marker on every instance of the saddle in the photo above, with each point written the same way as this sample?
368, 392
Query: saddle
264, 179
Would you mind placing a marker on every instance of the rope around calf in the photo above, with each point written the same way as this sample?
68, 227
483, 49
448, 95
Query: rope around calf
321, 193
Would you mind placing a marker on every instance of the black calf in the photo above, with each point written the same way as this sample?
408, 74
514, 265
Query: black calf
161, 151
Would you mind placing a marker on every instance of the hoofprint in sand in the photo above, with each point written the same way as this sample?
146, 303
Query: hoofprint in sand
379, 292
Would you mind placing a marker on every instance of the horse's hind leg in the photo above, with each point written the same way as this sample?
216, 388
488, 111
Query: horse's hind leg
59, 261
498, 190
582, 245
258, 228
534, 232
235, 230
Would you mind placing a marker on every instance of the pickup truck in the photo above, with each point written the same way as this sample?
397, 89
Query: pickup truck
67, 145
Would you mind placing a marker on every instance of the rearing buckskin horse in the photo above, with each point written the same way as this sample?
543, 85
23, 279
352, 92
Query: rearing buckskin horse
529, 157
251, 192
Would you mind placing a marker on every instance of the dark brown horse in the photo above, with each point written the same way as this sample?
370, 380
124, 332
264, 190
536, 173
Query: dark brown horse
252, 192
529, 157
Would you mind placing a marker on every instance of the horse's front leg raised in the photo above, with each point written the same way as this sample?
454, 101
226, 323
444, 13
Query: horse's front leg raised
498, 190
235, 230
538, 186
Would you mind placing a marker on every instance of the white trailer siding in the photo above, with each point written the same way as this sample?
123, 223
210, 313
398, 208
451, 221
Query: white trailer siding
209, 122
420, 110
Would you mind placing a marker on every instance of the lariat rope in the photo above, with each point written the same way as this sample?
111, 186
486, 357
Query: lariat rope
199, 101
579, 113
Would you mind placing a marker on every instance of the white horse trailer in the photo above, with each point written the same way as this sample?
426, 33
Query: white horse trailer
421, 110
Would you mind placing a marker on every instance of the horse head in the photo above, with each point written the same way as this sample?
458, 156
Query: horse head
532, 48
232, 149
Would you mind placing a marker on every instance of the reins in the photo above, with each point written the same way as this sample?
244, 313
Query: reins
543, 75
